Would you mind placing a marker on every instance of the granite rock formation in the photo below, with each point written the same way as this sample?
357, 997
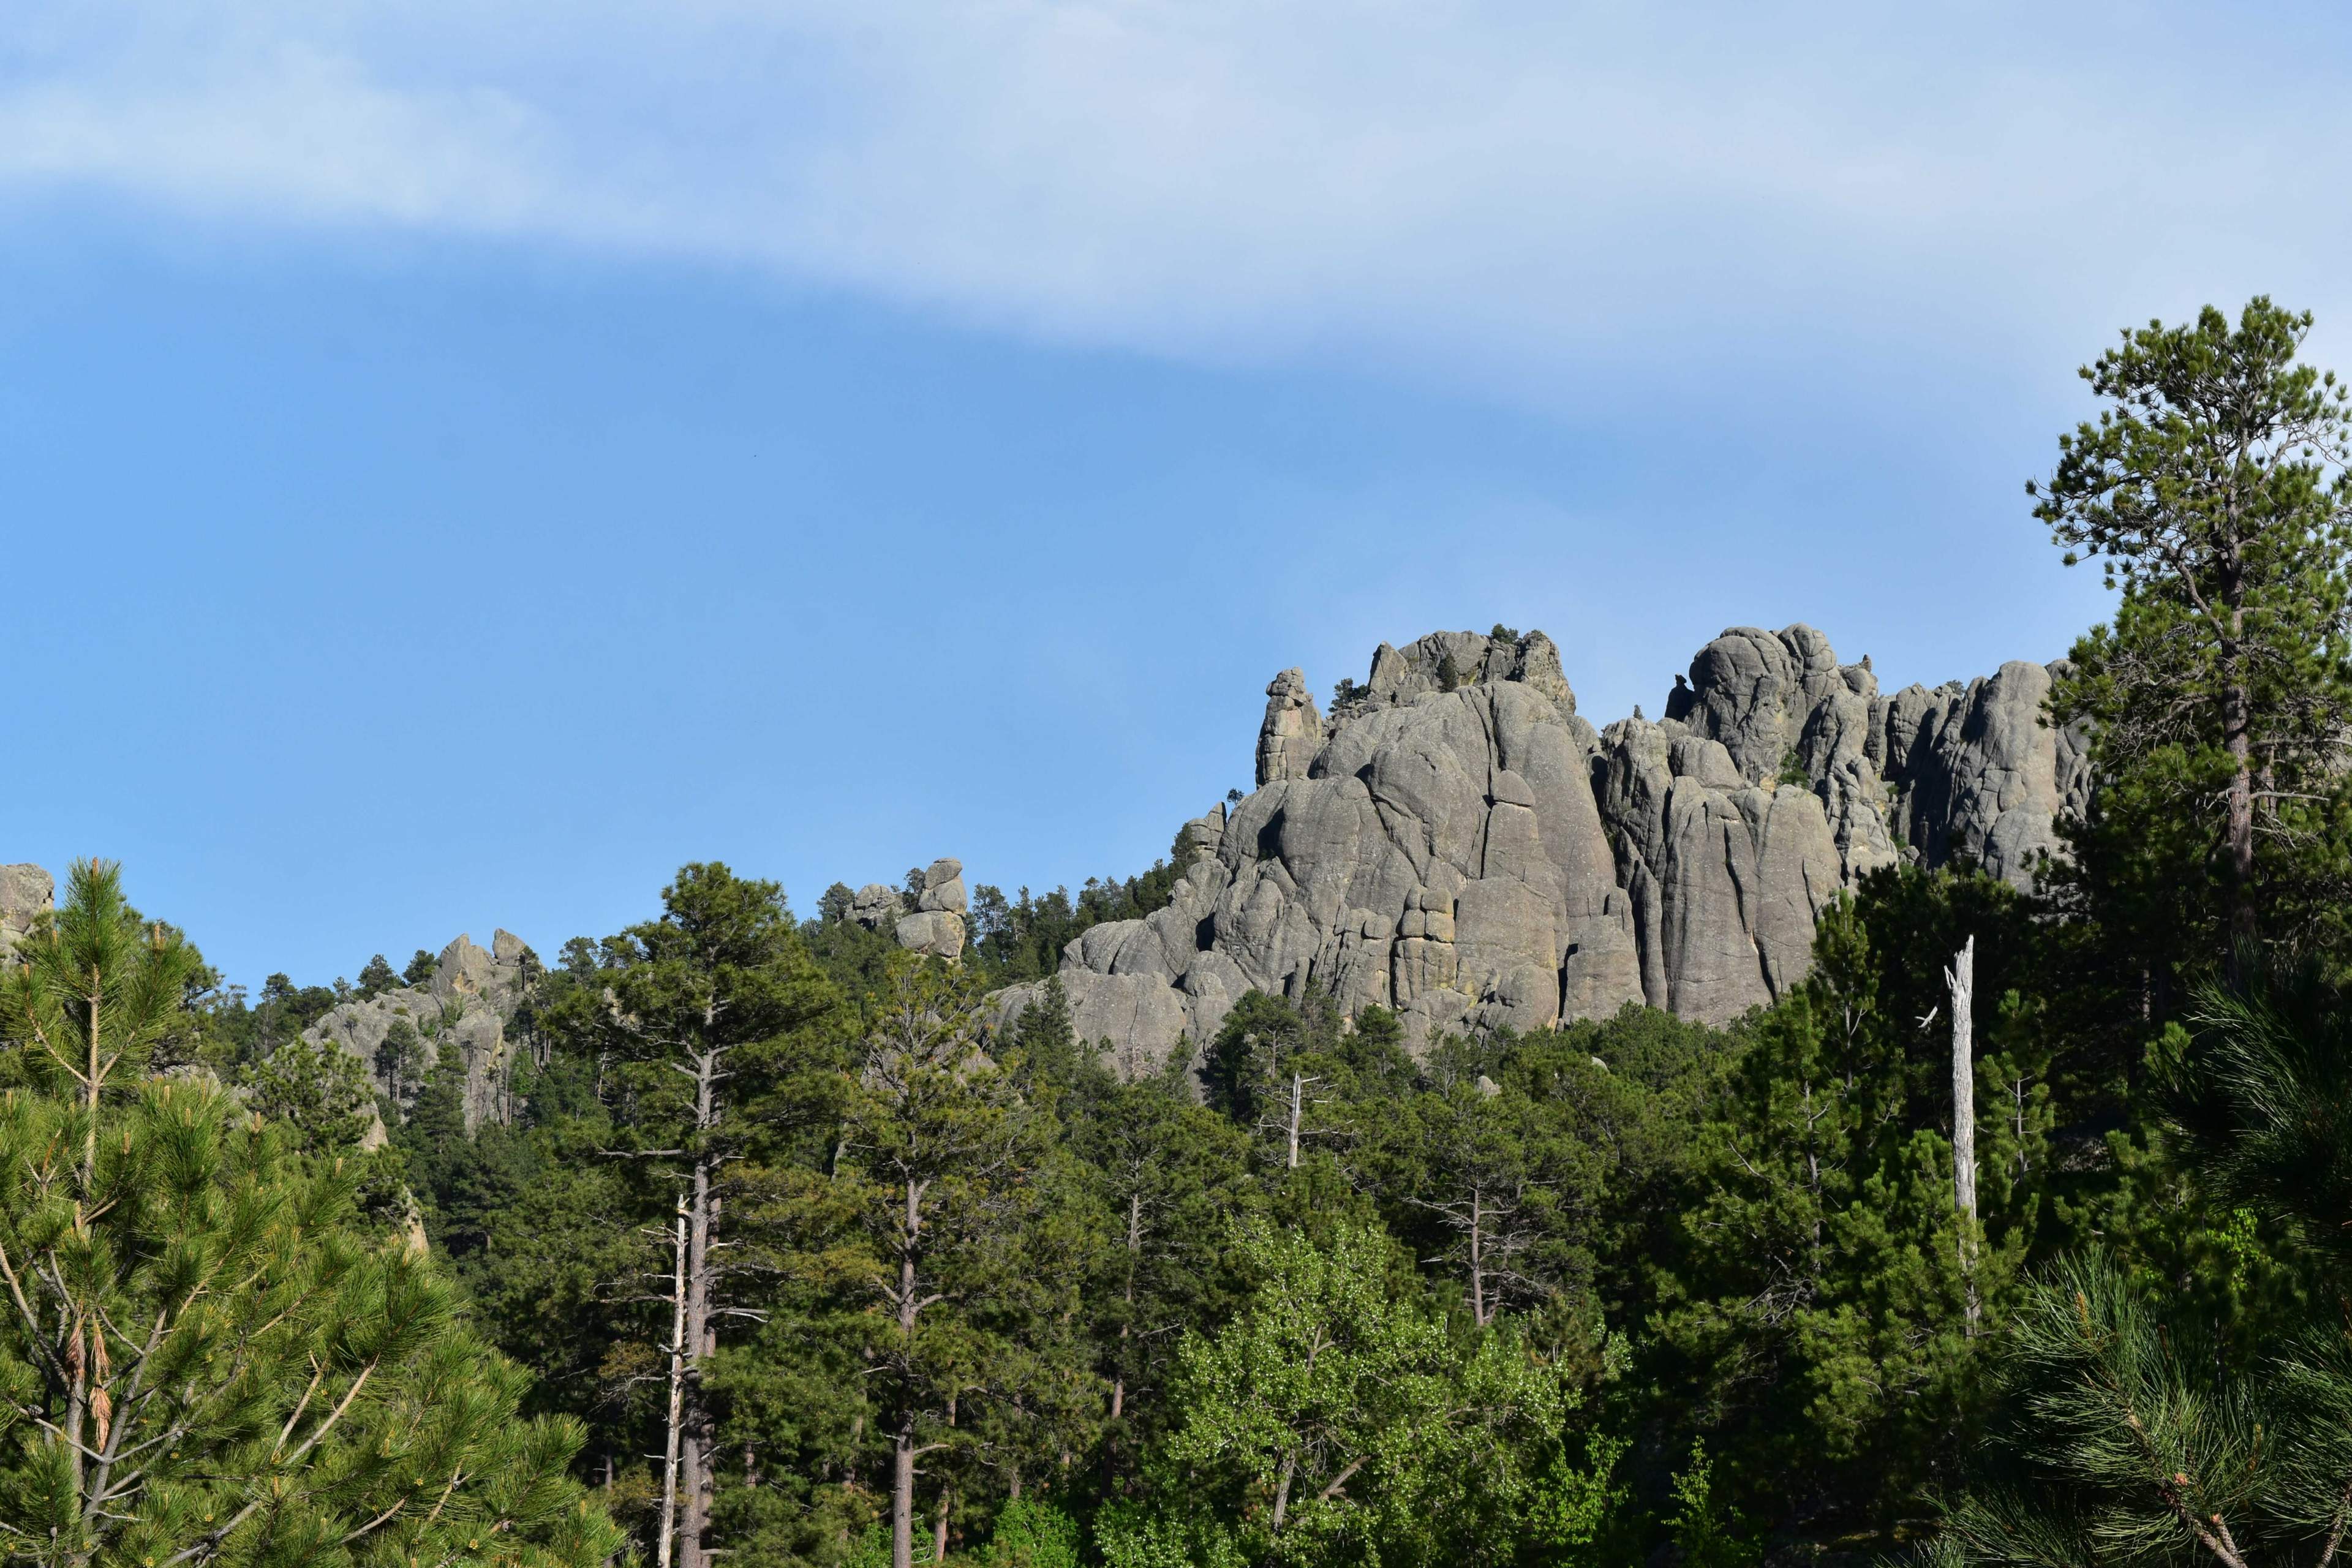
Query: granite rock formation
1455, 842
27, 893
466, 1006
936, 924
875, 905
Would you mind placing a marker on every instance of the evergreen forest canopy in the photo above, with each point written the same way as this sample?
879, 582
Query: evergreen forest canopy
781, 1259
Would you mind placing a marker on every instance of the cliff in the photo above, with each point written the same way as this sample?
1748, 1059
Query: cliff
1455, 842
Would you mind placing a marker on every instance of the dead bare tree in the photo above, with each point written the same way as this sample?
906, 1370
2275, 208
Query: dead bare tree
1959, 980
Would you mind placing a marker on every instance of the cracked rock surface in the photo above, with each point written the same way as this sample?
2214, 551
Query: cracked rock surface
1454, 841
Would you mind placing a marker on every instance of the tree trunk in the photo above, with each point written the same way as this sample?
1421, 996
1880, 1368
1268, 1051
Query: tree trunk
902, 1474
1477, 1261
698, 1439
1282, 1490
90, 1134
2237, 736
1134, 1247
666, 1553
947, 1501
1297, 1087
902, 1499
1961, 980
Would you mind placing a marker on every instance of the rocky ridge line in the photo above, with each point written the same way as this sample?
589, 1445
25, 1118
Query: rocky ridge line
1455, 842
466, 1006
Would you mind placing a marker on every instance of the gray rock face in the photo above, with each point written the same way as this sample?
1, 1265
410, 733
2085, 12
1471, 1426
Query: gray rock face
935, 931
1292, 732
465, 1008
1455, 843
936, 924
1980, 772
876, 905
1443, 661
943, 888
1201, 837
1441, 854
1725, 874
26, 892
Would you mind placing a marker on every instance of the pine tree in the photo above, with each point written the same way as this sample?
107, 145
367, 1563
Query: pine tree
92, 992
1825, 1291
728, 1040
400, 1062
1170, 1175
433, 1138
2144, 1426
321, 1094
952, 1183
1277, 1068
1478, 1175
207, 1358
2134, 1440
377, 977
208, 1362
1044, 1035
2211, 493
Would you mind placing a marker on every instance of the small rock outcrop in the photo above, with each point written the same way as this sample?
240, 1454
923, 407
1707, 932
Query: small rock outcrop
935, 922
937, 925
27, 893
1456, 843
876, 905
465, 1007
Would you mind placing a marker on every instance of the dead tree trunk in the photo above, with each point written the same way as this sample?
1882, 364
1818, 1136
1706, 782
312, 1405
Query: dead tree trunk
698, 1439
1134, 1247
665, 1555
1298, 1088
1960, 979
1477, 1259
905, 1453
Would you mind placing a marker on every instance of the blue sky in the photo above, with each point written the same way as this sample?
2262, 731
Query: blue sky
459, 462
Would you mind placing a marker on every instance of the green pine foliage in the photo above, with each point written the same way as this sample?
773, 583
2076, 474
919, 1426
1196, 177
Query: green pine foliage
2207, 492
1336, 1419
321, 1094
1021, 938
208, 1359
209, 1354
376, 977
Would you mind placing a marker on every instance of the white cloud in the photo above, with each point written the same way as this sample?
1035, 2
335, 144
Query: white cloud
1508, 192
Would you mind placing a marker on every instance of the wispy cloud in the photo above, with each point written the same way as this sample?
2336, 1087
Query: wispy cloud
1511, 191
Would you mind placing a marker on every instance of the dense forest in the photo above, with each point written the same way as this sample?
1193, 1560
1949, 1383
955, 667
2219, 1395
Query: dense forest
782, 1257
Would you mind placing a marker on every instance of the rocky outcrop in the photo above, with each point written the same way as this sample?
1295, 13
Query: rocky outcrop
936, 924
1456, 843
27, 893
1440, 853
1292, 731
876, 905
465, 1007
1978, 772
